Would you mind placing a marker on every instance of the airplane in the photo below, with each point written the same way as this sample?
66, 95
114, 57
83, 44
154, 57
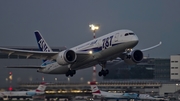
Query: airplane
117, 44
103, 94
39, 91
108, 95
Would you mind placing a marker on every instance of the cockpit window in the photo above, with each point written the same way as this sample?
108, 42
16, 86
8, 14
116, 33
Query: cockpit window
126, 34
131, 34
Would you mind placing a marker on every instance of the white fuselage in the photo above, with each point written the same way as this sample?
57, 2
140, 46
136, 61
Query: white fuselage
112, 95
104, 48
20, 93
148, 97
13, 93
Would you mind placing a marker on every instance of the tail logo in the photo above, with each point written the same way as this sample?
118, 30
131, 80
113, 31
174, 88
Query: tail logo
43, 46
94, 88
41, 88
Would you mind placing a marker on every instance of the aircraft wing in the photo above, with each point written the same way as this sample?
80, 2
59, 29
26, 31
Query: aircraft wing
151, 47
41, 55
26, 67
27, 53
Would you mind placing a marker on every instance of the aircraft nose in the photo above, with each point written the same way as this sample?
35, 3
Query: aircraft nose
135, 39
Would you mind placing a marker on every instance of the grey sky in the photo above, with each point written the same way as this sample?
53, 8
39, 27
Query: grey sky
65, 22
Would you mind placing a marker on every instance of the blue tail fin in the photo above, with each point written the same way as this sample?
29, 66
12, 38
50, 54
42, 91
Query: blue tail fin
43, 46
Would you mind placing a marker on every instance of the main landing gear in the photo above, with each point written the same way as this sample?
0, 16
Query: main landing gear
70, 73
104, 71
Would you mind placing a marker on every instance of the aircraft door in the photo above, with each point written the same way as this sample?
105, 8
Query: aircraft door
116, 37
98, 43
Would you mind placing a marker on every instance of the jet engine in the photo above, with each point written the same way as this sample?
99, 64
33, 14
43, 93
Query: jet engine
134, 57
66, 57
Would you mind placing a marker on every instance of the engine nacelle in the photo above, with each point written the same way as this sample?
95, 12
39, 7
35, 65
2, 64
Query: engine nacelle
134, 57
66, 57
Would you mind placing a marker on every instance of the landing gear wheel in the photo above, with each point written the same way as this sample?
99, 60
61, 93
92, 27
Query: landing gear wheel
67, 74
74, 72
128, 56
70, 73
100, 73
104, 72
107, 71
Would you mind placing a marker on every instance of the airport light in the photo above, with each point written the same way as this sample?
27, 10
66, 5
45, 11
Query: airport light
90, 52
68, 79
10, 76
177, 86
10, 88
55, 79
94, 28
42, 78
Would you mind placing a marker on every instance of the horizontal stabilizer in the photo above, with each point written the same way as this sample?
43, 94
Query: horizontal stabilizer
26, 67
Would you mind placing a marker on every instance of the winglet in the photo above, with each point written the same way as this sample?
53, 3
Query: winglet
152, 47
43, 46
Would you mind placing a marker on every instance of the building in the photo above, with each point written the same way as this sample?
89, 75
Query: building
175, 67
149, 68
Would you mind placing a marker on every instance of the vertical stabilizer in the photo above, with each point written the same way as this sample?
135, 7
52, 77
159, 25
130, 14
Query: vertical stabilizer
94, 88
43, 46
41, 87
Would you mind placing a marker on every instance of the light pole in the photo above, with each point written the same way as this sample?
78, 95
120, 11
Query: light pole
10, 77
10, 81
94, 28
81, 79
30, 79
43, 79
176, 86
68, 79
